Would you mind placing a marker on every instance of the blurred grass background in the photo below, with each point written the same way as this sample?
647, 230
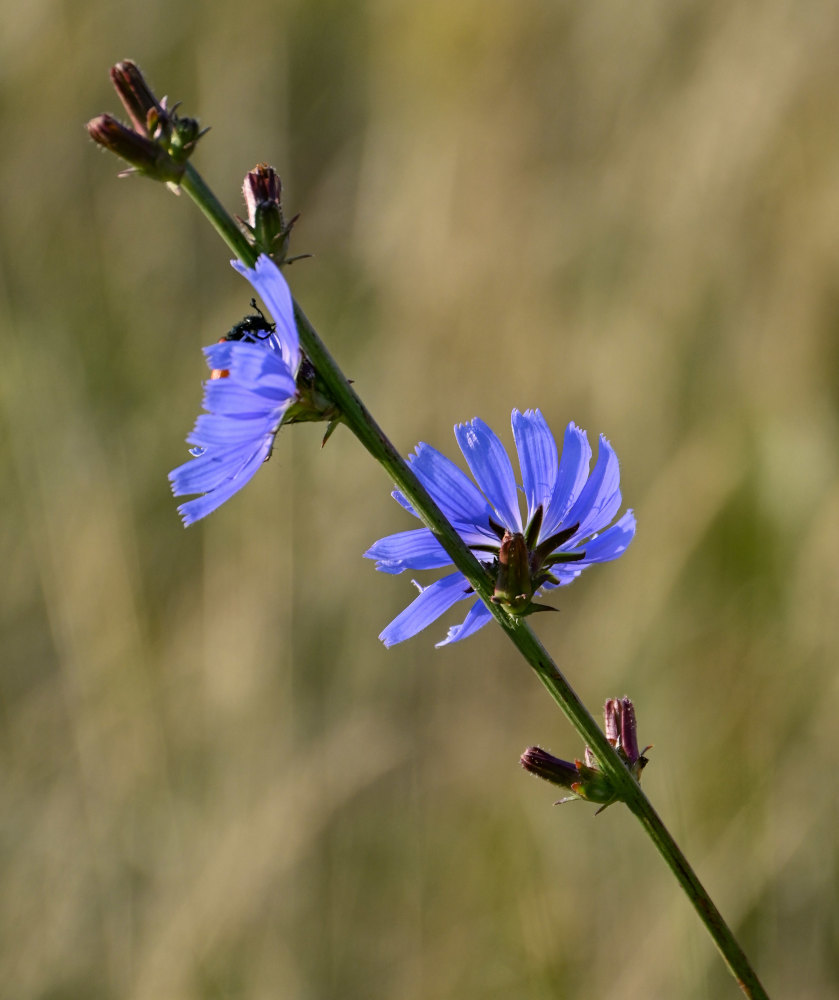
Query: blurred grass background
214, 781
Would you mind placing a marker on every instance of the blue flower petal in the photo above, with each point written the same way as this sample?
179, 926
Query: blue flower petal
479, 615
573, 472
268, 390
209, 470
251, 364
403, 501
537, 457
417, 549
245, 411
432, 602
219, 355
226, 399
273, 289
220, 487
566, 573
491, 467
213, 431
610, 544
600, 498
450, 488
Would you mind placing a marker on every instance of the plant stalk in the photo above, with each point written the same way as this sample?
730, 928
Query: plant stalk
371, 436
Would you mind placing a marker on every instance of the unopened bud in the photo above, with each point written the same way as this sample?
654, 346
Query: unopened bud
545, 765
629, 730
135, 94
584, 781
263, 191
143, 154
622, 732
611, 721
270, 233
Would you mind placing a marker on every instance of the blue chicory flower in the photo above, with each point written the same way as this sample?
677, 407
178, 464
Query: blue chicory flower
246, 397
565, 529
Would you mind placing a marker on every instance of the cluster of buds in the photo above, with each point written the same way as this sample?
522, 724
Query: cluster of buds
160, 142
584, 778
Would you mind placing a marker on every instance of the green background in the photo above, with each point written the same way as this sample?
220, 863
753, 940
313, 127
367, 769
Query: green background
214, 781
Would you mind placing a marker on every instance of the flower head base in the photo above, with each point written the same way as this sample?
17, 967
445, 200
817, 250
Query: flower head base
250, 389
565, 529
584, 778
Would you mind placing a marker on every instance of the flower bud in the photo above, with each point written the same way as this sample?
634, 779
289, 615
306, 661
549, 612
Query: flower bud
143, 154
270, 233
135, 94
584, 781
263, 192
621, 731
611, 721
545, 765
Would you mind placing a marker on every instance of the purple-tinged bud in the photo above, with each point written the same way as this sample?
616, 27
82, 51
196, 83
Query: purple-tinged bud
263, 191
136, 95
621, 731
266, 223
143, 154
584, 781
611, 721
629, 735
545, 765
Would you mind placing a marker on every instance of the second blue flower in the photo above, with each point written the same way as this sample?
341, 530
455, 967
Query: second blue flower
566, 528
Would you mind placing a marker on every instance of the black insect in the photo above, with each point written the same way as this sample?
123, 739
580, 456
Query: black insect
250, 329
254, 327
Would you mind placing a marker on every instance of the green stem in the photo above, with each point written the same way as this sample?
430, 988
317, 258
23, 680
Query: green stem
193, 183
380, 448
